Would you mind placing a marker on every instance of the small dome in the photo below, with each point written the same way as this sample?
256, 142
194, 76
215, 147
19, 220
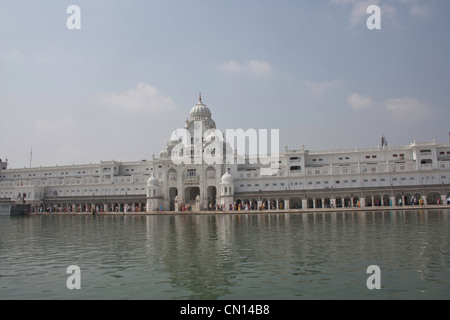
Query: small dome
174, 139
200, 111
152, 181
227, 178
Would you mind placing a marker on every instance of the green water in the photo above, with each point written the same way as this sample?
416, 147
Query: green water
228, 256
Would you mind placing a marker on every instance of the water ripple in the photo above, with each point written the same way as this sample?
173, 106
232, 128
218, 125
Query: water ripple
267, 256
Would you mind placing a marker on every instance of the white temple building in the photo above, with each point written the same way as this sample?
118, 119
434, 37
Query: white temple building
359, 177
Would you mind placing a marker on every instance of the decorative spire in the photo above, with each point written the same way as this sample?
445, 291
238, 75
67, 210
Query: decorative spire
200, 97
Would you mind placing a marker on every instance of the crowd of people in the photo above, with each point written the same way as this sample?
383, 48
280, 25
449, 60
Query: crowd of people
241, 206
414, 201
86, 209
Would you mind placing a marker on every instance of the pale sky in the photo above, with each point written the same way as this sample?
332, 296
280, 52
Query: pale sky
119, 86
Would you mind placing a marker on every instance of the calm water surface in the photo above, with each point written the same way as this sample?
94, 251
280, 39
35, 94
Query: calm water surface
253, 256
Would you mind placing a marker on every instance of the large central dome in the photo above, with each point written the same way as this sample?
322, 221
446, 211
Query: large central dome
200, 111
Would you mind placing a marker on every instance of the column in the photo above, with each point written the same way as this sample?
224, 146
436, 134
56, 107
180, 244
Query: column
363, 202
304, 204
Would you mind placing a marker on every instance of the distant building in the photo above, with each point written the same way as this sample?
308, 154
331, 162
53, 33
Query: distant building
377, 176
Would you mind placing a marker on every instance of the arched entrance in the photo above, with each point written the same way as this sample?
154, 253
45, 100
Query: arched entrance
254, 204
368, 200
398, 200
377, 200
273, 203
432, 197
211, 193
386, 200
295, 203
246, 204
310, 203
190, 194
238, 203
355, 201
407, 199
265, 204
347, 202
281, 204
318, 203
339, 202
173, 192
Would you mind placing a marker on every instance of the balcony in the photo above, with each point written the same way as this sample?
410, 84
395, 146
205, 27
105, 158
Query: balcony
191, 180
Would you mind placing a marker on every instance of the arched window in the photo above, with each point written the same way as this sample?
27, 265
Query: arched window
172, 175
210, 173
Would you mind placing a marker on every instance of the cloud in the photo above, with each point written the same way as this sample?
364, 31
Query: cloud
64, 140
253, 67
144, 97
12, 53
407, 110
44, 127
231, 67
13, 59
16, 56
389, 14
319, 89
42, 58
67, 154
359, 102
359, 15
359, 12
422, 10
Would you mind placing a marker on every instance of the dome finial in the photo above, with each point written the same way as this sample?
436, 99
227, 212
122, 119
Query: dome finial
200, 111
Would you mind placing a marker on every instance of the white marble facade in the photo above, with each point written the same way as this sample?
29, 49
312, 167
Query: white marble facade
377, 176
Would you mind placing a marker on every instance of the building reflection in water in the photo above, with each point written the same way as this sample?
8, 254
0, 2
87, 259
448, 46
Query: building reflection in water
214, 256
